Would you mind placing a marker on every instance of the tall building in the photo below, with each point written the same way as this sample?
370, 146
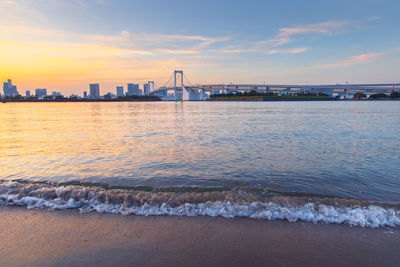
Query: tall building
120, 91
9, 89
28, 93
146, 89
133, 89
84, 94
41, 92
94, 91
149, 87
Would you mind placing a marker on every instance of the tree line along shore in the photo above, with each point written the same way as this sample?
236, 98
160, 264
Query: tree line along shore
257, 96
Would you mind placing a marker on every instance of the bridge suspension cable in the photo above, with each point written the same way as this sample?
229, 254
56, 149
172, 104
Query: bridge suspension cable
169, 80
184, 77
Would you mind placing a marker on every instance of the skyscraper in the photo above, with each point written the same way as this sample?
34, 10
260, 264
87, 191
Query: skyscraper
9, 89
120, 91
146, 89
94, 91
133, 89
28, 93
84, 94
150, 87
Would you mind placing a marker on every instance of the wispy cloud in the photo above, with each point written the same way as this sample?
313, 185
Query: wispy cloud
373, 18
143, 44
288, 35
288, 51
235, 50
16, 13
274, 42
328, 27
352, 60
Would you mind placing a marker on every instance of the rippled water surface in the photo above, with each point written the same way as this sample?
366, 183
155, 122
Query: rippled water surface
345, 149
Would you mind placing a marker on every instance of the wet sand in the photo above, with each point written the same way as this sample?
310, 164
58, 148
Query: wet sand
67, 238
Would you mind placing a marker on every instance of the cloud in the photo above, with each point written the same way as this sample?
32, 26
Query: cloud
143, 44
158, 43
277, 41
364, 57
19, 21
17, 13
352, 60
287, 35
233, 50
288, 51
328, 27
373, 18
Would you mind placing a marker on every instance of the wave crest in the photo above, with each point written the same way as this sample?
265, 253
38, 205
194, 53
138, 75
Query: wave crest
227, 204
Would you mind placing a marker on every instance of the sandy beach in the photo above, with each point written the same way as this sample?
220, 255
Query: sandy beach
68, 238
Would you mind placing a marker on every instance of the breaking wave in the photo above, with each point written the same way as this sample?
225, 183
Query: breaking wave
227, 204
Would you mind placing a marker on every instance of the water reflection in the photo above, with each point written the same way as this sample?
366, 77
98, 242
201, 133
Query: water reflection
345, 149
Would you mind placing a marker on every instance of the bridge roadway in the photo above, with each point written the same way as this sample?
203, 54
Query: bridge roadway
378, 88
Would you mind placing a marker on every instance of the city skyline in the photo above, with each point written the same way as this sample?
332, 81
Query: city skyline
102, 42
132, 89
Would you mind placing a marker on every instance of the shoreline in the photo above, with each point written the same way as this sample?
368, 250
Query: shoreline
222, 99
77, 101
283, 99
42, 237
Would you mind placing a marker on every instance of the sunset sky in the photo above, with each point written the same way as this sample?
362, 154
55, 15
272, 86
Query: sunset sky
64, 45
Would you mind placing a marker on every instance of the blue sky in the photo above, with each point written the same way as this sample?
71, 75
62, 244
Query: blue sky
65, 44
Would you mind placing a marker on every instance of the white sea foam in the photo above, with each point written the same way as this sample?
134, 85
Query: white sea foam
88, 199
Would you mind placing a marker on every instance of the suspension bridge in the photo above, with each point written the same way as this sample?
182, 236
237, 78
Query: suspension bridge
179, 88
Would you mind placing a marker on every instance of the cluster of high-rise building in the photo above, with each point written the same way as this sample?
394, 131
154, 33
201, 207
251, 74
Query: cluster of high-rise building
10, 90
132, 89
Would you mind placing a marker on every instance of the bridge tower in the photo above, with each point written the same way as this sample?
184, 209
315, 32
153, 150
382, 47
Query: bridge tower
178, 74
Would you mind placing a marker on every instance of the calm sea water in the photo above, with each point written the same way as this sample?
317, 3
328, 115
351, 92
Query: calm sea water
345, 149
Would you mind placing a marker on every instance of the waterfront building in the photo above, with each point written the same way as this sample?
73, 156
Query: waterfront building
28, 93
40, 92
74, 96
55, 94
85, 94
109, 95
133, 89
120, 91
9, 89
94, 91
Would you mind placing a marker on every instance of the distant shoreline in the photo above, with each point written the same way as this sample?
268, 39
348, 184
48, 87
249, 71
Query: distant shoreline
286, 99
269, 96
274, 98
213, 99
125, 99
